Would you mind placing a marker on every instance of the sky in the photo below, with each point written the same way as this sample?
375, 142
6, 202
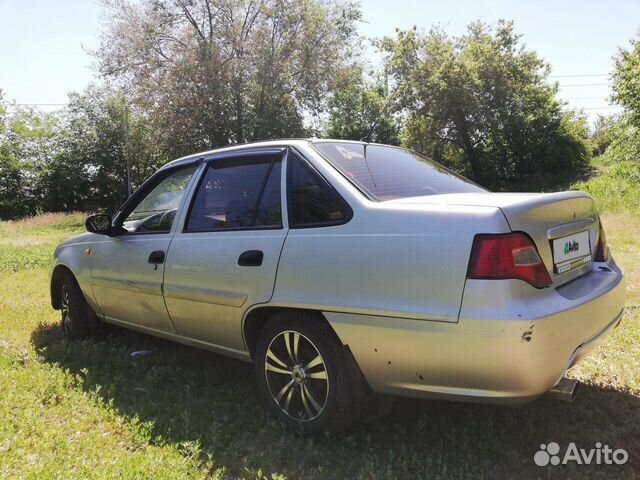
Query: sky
45, 44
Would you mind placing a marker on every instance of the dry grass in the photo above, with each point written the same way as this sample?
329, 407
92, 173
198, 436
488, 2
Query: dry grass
48, 219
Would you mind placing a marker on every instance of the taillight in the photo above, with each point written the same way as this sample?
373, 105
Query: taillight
602, 251
510, 255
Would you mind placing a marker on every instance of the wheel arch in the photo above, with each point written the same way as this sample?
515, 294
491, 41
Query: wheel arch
57, 275
369, 404
257, 318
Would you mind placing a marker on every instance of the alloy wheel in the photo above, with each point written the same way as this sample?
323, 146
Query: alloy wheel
297, 376
66, 318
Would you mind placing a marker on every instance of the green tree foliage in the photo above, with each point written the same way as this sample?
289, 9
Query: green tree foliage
481, 104
617, 138
75, 159
624, 131
358, 110
602, 134
625, 142
213, 72
12, 204
93, 151
626, 81
192, 75
28, 141
618, 185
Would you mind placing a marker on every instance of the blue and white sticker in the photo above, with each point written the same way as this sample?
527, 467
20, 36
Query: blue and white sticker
568, 250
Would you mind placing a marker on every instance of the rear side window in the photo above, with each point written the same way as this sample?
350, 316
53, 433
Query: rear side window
238, 195
389, 173
269, 212
312, 201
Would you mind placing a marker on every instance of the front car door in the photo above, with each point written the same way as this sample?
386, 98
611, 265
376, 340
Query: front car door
128, 268
225, 257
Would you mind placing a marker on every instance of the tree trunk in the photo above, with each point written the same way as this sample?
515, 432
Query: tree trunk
239, 112
470, 152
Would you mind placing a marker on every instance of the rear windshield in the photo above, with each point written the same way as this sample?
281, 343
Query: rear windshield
389, 173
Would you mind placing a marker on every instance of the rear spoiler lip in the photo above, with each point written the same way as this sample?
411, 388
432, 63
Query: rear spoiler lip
569, 228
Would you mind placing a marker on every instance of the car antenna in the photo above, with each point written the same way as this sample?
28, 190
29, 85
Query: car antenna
366, 162
367, 137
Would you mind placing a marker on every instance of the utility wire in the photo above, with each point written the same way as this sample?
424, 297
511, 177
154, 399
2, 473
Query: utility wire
610, 107
581, 75
602, 108
584, 85
603, 97
37, 104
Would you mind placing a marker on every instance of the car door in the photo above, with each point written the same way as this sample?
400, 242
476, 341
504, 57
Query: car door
225, 257
127, 270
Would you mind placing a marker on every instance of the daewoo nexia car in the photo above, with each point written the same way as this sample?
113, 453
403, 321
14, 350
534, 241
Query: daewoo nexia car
345, 270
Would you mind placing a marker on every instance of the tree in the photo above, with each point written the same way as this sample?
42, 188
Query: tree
626, 81
75, 159
481, 103
360, 110
602, 134
34, 139
11, 203
28, 141
213, 72
624, 132
93, 151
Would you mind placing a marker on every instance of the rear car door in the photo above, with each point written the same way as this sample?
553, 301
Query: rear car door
225, 257
127, 270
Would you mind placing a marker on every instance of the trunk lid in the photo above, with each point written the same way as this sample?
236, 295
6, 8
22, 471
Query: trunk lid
563, 225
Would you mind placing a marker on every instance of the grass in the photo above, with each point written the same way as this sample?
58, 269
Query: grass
617, 365
27, 244
85, 410
615, 184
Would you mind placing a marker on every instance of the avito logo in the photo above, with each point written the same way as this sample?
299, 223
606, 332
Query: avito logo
549, 453
571, 247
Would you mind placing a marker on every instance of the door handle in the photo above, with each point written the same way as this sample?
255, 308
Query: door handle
156, 257
251, 258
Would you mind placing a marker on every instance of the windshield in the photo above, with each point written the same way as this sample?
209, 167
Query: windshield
389, 173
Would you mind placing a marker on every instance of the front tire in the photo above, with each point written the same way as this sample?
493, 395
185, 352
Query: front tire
77, 317
302, 373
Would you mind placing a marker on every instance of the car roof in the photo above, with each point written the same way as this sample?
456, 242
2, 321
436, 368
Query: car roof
281, 142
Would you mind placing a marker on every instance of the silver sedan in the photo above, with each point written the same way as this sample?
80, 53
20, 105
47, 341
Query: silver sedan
349, 273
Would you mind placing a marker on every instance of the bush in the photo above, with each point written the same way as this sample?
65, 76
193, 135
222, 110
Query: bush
618, 185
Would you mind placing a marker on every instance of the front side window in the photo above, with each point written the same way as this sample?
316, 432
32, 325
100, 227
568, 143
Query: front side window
389, 173
235, 195
156, 211
311, 200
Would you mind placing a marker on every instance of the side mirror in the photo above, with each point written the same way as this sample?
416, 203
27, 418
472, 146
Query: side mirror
99, 223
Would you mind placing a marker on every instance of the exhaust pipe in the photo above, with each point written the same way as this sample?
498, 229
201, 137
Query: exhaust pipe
566, 389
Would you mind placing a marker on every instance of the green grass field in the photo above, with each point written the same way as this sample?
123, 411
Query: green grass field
83, 410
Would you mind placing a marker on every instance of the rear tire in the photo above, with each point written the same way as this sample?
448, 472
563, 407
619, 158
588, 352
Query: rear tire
77, 317
302, 374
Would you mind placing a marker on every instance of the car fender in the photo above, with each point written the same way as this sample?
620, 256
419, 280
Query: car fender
76, 255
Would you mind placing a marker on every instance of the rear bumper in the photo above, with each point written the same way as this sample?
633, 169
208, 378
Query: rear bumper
511, 344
